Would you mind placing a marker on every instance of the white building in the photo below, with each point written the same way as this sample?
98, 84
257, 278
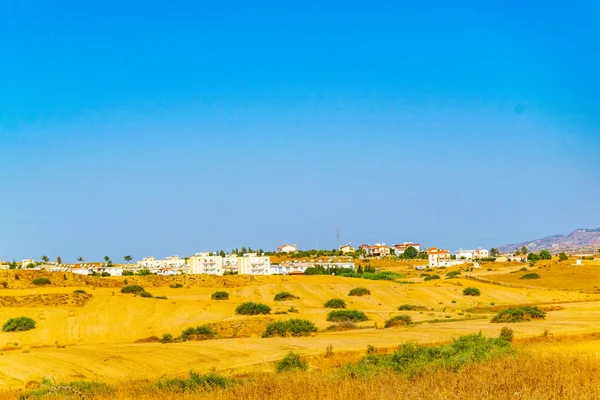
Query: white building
168, 262
472, 254
287, 248
400, 248
205, 263
252, 264
26, 262
347, 248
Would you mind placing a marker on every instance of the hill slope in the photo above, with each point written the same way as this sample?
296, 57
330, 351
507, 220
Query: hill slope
578, 240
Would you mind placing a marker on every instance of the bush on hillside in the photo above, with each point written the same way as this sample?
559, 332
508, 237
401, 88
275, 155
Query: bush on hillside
342, 326
283, 296
41, 281
292, 327
411, 359
347, 315
507, 334
431, 277
143, 293
335, 303
531, 276
166, 338
411, 307
135, 289
203, 332
81, 291
251, 308
176, 286
398, 320
563, 256
18, 324
127, 273
195, 383
220, 296
292, 362
519, 314
452, 274
471, 291
360, 291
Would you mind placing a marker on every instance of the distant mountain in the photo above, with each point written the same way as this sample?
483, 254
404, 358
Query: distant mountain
578, 240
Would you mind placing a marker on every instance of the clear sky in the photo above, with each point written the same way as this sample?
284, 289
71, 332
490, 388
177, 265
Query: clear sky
160, 128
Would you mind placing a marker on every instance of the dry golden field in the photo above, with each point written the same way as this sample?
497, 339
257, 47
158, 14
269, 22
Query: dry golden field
103, 336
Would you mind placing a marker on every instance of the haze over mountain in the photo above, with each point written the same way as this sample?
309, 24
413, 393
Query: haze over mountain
578, 240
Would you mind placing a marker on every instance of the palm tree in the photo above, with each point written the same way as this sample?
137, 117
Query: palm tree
45, 259
128, 259
80, 259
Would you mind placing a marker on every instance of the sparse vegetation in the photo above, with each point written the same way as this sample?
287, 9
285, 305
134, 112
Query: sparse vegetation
292, 362
203, 332
471, 291
251, 308
132, 289
195, 383
176, 286
519, 314
166, 338
335, 303
507, 334
531, 276
360, 291
41, 281
81, 291
283, 296
346, 315
452, 274
18, 324
292, 327
431, 277
411, 307
398, 320
221, 295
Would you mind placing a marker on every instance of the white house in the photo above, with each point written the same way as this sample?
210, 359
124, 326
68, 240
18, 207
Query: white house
287, 248
252, 264
472, 254
26, 262
347, 248
379, 250
400, 248
168, 262
205, 263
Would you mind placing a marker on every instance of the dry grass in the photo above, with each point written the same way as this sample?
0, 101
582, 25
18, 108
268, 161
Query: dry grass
539, 371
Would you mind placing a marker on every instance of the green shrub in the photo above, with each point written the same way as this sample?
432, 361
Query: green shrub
41, 281
220, 296
471, 291
166, 338
452, 274
507, 334
530, 276
144, 294
519, 314
127, 273
105, 274
342, 326
398, 320
18, 324
335, 303
563, 256
292, 327
195, 383
412, 359
203, 332
346, 315
250, 308
283, 296
431, 277
161, 297
79, 291
360, 291
176, 286
135, 289
411, 307
292, 362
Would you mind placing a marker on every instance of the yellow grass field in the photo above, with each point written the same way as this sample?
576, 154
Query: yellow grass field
104, 335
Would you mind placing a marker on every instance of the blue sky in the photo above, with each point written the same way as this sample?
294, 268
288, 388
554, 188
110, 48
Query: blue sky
159, 128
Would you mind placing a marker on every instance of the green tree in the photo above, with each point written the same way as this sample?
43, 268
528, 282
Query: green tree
517, 251
80, 259
533, 257
524, 250
494, 252
222, 253
45, 259
58, 260
545, 255
393, 252
128, 259
563, 256
410, 253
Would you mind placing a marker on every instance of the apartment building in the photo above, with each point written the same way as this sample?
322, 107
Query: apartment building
252, 264
472, 254
168, 262
206, 263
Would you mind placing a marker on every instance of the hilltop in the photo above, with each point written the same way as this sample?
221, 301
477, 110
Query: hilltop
578, 240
